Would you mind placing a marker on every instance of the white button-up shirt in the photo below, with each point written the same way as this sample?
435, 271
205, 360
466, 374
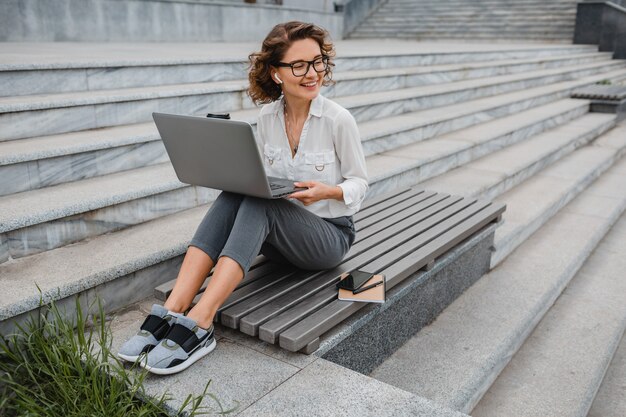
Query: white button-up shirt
329, 151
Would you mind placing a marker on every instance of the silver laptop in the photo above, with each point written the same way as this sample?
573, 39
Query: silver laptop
218, 153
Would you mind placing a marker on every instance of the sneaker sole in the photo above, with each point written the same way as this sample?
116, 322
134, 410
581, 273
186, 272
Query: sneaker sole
128, 358
198, 354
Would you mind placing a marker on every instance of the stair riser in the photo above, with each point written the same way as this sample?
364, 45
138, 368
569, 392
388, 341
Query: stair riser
433, 168
506, 352
506, 245
497, 189
16, 125
377, 111
4, 250
45, 172
499, 23
446, 37
385, 62
73, 228
56, 233
465, 8
48, 81
53, 80
52, 171
348, 87
459, 30
389, 142
115, 295
514, 18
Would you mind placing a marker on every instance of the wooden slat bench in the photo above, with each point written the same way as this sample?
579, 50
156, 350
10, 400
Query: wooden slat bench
398, 234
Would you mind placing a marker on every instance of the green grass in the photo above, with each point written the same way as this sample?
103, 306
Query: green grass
52, 366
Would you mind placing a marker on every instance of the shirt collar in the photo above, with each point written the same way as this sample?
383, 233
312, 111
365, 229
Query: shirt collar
315, 110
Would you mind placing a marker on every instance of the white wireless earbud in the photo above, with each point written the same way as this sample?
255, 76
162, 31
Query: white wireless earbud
278, 79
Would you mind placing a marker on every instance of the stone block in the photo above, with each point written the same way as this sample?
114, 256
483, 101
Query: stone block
239, 378
328, 390
72, 228
411, 305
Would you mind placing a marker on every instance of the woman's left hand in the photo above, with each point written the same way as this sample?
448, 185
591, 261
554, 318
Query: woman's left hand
316, 191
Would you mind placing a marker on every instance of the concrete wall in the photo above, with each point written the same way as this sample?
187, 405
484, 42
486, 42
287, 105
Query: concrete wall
149, 20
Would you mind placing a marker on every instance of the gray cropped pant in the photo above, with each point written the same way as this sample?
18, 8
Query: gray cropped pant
241, 227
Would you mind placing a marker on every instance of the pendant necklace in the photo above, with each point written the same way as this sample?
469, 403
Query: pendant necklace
288, 130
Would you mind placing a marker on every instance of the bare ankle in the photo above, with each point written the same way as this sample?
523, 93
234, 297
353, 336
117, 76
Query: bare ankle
203, 320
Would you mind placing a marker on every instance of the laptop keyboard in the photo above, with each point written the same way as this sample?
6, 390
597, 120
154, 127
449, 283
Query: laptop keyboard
276, 186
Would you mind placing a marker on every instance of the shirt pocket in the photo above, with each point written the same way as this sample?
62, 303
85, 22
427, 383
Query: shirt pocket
319, 166
273, 161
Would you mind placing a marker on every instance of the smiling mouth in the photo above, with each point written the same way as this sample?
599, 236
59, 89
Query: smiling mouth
312, 84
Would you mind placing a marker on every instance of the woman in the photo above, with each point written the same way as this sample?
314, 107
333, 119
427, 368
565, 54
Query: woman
303, 137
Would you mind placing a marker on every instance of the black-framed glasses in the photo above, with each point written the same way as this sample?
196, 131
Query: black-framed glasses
300, 68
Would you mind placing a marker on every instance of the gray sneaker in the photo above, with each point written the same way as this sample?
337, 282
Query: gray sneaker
183, 345
153, 329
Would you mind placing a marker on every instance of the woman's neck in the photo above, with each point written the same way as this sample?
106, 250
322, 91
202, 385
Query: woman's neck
298, 109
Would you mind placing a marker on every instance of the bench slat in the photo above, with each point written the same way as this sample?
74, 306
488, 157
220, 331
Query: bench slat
316, 324
389, 202
240, 294
371, 202
439, 200
395, 208
389, 242
305, 306
230, 315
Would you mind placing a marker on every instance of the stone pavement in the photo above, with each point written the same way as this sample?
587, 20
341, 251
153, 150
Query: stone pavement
263, 380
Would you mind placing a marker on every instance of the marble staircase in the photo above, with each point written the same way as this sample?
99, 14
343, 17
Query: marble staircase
527, 20
85, 176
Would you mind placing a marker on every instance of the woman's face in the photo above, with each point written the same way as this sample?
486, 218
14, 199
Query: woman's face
294, 86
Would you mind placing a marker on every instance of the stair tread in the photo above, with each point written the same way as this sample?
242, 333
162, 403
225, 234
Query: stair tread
455, 359
554, 365
50, 101
450, 143
94, 261
610, 400
67, 143
388, 125
24, 209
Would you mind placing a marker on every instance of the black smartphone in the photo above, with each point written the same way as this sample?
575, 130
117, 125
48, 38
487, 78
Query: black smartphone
355, 280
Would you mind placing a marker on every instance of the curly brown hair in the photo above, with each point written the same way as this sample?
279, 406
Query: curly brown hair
262, 89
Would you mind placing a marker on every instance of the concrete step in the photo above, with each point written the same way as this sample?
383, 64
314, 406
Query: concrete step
81, 111
381, 104
532, 204
386, 134
122, 267
376, 17
45, 268
610, 400
501, 170
461, 7
41, 220
92, 206
30, 69
523, 12
500, 24
477, 29
476, 37
282, 383
49, 160
560, 367
455, 359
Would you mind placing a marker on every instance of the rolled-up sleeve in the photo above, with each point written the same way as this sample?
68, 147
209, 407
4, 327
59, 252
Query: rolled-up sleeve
349, 150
